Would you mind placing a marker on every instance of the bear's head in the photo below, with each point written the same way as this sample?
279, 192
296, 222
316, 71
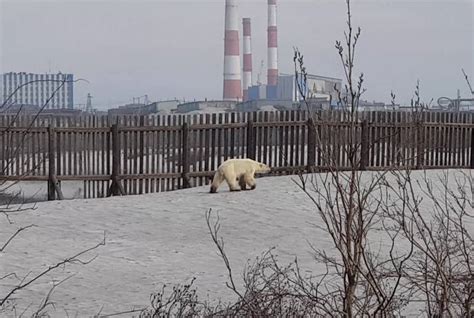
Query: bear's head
263, 168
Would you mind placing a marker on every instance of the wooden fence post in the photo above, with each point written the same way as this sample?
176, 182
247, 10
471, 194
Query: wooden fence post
3, 145
141, 146
53, 184
420, 148
116, 186
311, 160
185, 157
472, 148
364, 146
251, 144
58, 150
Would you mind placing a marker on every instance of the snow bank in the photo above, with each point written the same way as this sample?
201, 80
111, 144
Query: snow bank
154, 239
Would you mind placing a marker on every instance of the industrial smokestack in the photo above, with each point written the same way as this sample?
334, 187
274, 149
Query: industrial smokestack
232, 77
272, 74
247, 51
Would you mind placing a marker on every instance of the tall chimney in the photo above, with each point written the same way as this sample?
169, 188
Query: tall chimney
232, 77
272, 74
247, 76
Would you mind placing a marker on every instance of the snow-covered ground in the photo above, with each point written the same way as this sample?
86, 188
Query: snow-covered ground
156, 239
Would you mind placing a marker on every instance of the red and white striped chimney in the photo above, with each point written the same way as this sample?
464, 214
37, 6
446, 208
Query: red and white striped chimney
272, 74
247, 51
232, 77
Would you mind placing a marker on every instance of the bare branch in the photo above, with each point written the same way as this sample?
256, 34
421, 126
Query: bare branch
70, 260
21, 229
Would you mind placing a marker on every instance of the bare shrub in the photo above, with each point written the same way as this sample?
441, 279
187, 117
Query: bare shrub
181, 301
432, 216
359, 281
15, 281
269, 290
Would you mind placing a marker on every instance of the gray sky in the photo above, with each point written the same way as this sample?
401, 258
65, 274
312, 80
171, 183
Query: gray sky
174, 48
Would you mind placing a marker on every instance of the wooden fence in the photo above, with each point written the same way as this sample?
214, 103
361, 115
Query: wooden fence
135, 155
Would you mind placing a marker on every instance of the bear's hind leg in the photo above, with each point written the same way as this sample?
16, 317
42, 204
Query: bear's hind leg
231, 180
218, 179
250, 181
242, 183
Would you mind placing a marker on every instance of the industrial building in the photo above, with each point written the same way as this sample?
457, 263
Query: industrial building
375, 106
207, 106
57, 90
263, 104
320, 87
316, 86
160, 107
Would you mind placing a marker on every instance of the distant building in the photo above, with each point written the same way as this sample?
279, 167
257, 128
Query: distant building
264, 105
161, 107
167, 106
316, 86
316, 103
36, 110
313, 104
207, 106
287, 89
257, 92
376, 106
44, 88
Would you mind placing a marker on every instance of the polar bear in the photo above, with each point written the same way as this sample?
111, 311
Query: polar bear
238, 173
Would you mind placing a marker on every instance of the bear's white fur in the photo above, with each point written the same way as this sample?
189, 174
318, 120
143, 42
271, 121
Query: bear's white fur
238, 173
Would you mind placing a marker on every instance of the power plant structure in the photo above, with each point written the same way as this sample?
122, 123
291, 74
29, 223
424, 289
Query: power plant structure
235, 85
279, 89
272, 40
247, 51
232, 77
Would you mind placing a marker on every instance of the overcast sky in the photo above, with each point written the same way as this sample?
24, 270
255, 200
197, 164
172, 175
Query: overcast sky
174, 48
